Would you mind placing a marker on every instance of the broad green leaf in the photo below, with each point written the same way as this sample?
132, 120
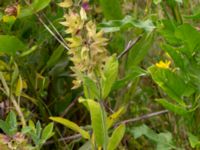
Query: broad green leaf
26, 130
98, 118
47, 132
162, 140
139, 50
194, 141
167, 30
90, 88
173, 84
72, 126
111, 9
116, 137
110, 74
125, 23
34, 7
11, 121
179, 59
5, 127
114, 117
10, 44
55, 57
180, 110
184, 33
38, 5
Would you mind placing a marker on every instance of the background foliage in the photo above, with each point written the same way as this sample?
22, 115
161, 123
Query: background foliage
149, 93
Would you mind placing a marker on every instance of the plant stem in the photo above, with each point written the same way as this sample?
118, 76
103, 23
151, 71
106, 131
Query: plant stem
12, 98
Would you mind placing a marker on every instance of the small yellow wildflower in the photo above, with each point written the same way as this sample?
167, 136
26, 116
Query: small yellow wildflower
164, 65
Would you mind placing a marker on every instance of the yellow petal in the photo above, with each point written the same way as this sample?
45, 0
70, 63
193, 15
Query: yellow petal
164, 65
83, 14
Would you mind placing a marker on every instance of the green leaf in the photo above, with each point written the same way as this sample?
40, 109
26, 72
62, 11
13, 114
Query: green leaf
38, 130
5, 127
184, 33
38, 5
11, 121
139, 50
167, 30
55, 57
10, 44
98, 118
180, 110
111, 9
162, 140
72, 126
28, 52
110, 74
35, 7
86, 146
179, 59
132, 74
90, 88
116, 137
14, 74
47, 132
194, 141
19, 86
125, 23
173, 84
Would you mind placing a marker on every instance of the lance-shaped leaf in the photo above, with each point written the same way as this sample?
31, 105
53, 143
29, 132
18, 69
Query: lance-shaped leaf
71, 125
98, 118
114, 117
110, 73
180, 110
116, 137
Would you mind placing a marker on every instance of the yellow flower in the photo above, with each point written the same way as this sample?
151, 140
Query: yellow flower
75, 41
73, 22
164, 65
66, 4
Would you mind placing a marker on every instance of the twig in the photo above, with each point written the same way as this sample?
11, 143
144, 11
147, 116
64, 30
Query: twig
76, 136
51, 32
71, 105
129, 46
143, 117
73, 137
55, 29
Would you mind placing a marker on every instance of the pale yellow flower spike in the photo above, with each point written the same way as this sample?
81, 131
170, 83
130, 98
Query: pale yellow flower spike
66, 4
164, 65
